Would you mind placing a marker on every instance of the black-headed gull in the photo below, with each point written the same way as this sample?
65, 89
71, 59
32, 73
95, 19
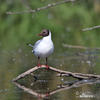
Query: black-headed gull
44, 47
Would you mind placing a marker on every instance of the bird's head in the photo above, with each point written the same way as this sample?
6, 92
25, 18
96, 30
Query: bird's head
44, 33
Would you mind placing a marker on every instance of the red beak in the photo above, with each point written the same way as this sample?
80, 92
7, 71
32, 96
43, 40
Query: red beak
40, 34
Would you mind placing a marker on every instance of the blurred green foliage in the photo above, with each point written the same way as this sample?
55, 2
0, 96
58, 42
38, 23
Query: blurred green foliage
65, 21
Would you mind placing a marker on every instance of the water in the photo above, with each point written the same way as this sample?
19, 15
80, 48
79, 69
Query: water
44, 84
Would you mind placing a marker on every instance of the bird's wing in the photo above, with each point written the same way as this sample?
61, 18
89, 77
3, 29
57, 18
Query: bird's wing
36, 44
30, 45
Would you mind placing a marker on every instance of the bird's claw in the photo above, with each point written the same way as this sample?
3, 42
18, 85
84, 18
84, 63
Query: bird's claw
39, 65
47, 66
47, 94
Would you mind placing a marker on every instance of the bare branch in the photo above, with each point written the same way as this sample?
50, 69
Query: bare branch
91, 28
64, 73
74, 46
77, 47
41, 8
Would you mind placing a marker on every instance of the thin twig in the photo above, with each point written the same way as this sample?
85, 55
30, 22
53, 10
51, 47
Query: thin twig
74, 46
77, 47
25, 73
41, 8
64, 73
91, 28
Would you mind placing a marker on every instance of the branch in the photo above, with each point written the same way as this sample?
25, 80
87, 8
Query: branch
74, 46
41, 8
91, 28
77, 47
62, 73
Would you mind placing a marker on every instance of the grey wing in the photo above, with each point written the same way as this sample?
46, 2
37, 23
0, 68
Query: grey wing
33, 46
36, 44
30, 45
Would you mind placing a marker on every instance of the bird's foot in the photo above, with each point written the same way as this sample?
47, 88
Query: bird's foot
47, 66
39, 65
47, 94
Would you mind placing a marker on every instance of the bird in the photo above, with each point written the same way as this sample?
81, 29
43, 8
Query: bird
43, 47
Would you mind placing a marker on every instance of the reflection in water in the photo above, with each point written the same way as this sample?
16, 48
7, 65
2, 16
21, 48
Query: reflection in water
61, 87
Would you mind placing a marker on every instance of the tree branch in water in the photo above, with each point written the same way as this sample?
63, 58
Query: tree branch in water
79, 76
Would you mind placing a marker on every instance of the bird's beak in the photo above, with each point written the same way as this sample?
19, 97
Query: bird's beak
40, 34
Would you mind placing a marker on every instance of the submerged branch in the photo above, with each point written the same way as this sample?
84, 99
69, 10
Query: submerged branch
61, 73
41, 8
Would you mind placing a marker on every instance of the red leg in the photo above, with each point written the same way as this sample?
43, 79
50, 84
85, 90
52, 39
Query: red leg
47, 63
47, 94
47, 66
39, 97
38, 64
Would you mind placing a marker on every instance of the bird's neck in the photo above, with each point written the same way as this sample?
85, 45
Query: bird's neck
47, 38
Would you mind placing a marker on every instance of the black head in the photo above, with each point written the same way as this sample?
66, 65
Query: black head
44, 33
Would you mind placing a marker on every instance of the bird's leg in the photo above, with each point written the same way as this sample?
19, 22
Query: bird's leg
47, 63
38, 64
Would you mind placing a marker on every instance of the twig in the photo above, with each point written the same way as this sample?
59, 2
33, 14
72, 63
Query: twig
41, 8
91, 28
77, 47
74, 46
25, 73
64, 73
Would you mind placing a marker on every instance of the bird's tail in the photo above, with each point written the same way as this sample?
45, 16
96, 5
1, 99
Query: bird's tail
30, 45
